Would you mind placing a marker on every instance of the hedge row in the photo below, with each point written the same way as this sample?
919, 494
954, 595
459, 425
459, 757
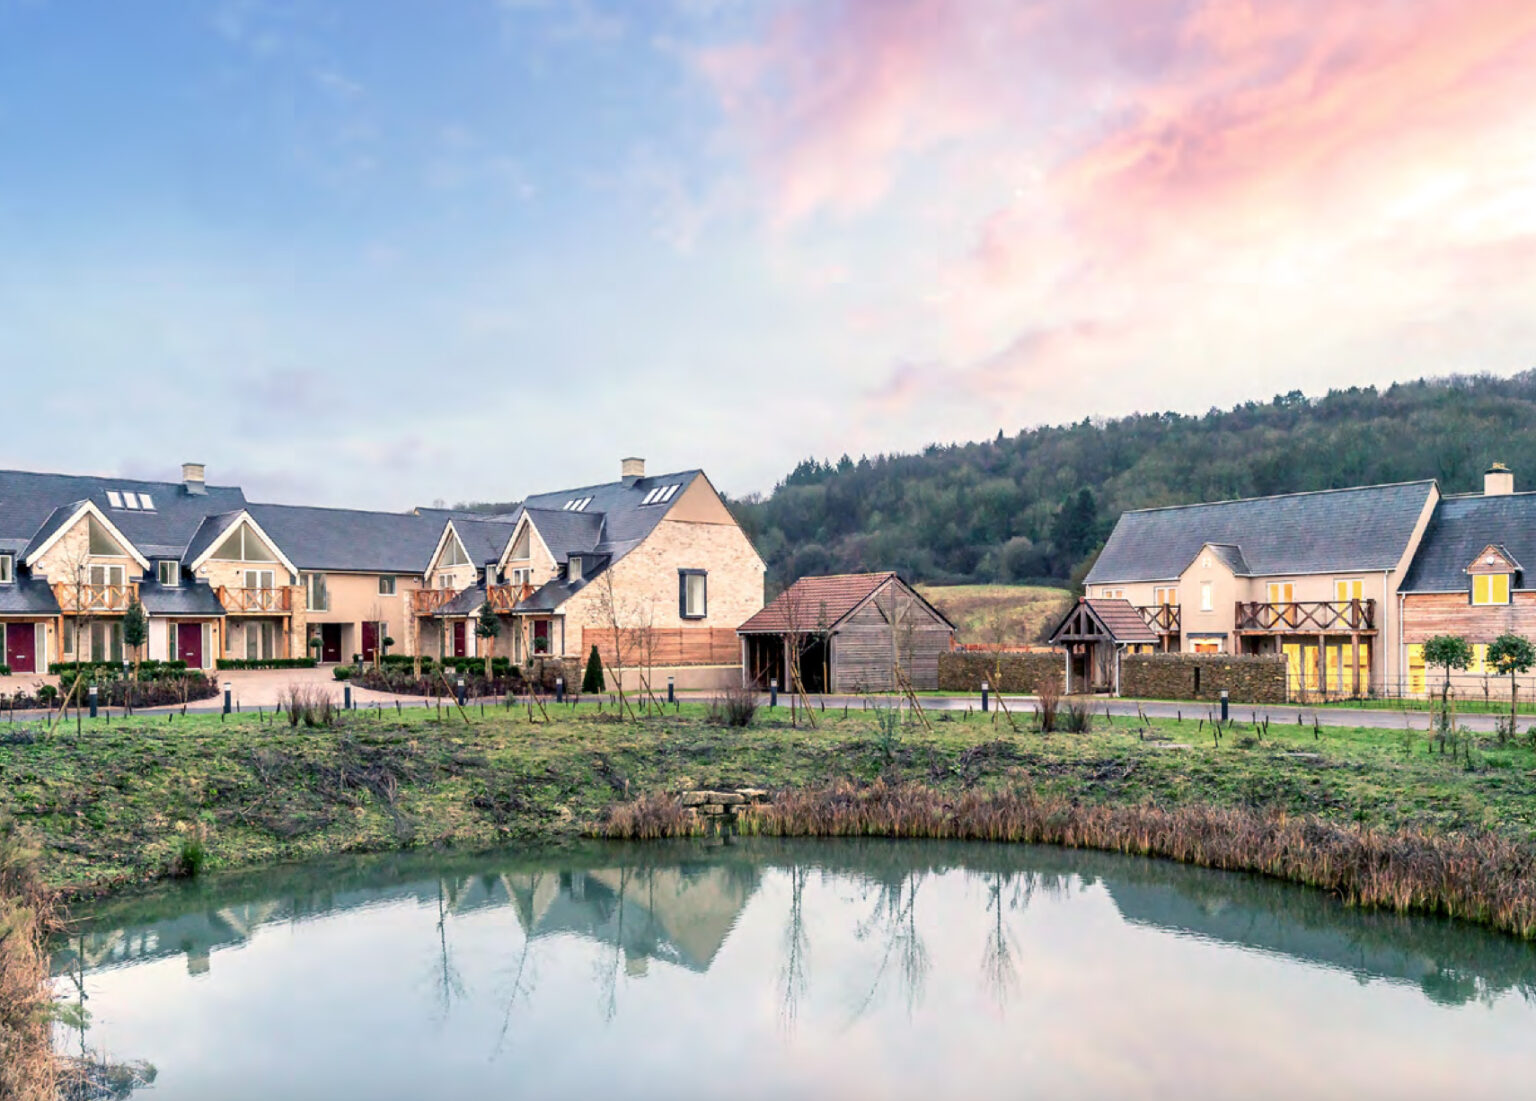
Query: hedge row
107, 670
266, 663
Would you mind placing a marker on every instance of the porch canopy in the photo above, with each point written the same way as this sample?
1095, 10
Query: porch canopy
1094, 634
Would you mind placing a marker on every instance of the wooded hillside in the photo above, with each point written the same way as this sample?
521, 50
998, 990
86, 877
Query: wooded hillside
1037, 505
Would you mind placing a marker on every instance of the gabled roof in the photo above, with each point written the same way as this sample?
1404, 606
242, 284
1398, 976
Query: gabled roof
627, 520
1461, 529
350, 540
188, 598
65, 517
567, 533
815, 604
28, 595
208, 533
227, 523
1115, 621
484, 540
1365, 528
1231, 557
27, 499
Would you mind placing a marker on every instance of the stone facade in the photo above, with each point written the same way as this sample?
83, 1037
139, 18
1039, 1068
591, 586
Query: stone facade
963, 671
1247, 679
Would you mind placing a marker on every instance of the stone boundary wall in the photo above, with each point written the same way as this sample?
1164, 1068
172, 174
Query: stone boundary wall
1247, 678
963, 671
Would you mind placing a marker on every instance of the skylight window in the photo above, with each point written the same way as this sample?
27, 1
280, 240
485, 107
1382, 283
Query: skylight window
114, 498
577, 504
146, 503
130, 500
661, 494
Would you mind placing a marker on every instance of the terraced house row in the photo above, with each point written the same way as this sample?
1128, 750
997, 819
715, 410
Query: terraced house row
1346, 584
653, 566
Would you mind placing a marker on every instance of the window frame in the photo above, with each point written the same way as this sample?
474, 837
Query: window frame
7, 568
308, 580
388, 584
169, 579
1488, 580
1165, 596
1207, 596
575, 568
683, 577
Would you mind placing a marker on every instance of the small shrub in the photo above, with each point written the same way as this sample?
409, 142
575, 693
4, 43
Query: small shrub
47, 695
888, 723
5, 670
308, 704
1077, 716
1048, 706
342, 672
191, 858
734, 706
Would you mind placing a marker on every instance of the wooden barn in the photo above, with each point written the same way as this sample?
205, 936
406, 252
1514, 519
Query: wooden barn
851, 632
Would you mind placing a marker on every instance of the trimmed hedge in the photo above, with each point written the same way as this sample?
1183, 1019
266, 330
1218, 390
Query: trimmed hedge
5, 670
108, 670
161, 691
266, 663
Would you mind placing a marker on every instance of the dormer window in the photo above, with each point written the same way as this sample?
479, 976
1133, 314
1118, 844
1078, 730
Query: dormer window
1490, 588
7, 569
169, 573
573, 571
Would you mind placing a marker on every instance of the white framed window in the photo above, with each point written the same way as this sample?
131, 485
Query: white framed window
315, 592
573, 571
67, 638
1207, 597
7, 569
260, 579
146, 502
242, 545
692, 594
660, 495
1114, 594
114, 498
169, 573
131, 500
519, 576
1165, 596
386, 586
577, 504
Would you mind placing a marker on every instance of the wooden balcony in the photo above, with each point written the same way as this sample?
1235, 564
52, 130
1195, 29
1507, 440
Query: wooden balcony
1307, 617
427, 601
94, 599
1162, 618
237, 600
504, 598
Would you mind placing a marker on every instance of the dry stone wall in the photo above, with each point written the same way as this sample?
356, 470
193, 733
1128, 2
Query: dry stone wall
963, 671
1247, 679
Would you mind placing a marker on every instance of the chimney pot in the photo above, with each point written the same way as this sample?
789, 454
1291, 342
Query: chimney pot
631, 470
1499, 481
192, 478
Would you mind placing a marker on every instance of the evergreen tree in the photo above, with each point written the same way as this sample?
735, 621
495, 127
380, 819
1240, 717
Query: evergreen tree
592, 680
487, 627
135, 630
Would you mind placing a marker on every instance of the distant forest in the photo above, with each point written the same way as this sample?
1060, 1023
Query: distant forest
1036, 507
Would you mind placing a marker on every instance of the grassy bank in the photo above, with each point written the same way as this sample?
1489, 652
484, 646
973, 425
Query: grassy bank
132, 800
1014, 615
27, 1070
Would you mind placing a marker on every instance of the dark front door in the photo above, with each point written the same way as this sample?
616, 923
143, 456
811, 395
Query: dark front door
370, 640
189, 644
459, 635
21, 647
330, 642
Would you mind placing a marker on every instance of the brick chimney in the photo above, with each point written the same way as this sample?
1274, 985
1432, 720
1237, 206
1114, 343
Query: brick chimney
631, 470
1499, 481
192, 478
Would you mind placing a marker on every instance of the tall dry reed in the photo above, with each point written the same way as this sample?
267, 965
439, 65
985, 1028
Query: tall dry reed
27, 1068
1476, 877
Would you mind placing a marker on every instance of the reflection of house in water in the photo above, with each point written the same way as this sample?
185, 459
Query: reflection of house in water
1452, 963
680, 914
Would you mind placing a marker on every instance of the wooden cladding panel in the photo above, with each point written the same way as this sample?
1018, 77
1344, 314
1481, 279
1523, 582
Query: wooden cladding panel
1426, 615
666, 646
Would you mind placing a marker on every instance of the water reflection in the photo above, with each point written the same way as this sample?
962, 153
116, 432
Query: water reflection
880, 944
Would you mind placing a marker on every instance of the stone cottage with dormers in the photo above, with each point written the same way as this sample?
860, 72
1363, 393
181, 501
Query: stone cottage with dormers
652, 569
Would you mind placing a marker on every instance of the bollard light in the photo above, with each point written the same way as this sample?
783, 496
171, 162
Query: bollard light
559, 689
671, 690
229, 689
1224, 703
93, 701
461, 692
984, 694
346, 697
773, 692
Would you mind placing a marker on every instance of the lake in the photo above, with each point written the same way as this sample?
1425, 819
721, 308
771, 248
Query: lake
766, 969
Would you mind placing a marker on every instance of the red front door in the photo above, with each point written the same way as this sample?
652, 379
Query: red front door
21, 647
370, 640
458, 638
330, 642
189, 644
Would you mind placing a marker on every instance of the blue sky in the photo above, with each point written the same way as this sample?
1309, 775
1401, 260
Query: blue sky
383, 253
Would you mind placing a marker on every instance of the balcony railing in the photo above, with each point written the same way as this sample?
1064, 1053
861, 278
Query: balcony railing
1162, 618
427, 601
238, 600
503, 598
86, 599
1307, 616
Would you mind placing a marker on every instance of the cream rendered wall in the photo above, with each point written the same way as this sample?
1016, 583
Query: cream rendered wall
1226, 591
355, 599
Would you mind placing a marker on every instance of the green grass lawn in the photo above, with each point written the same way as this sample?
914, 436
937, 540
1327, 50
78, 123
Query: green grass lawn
118, 803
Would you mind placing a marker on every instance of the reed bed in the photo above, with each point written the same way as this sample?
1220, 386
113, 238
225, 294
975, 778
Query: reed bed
1480, 878
27, 1068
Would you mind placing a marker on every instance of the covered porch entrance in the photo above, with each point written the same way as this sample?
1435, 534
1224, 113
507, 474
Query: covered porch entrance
1095, 634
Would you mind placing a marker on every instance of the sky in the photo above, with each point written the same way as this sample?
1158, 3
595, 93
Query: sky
379, 253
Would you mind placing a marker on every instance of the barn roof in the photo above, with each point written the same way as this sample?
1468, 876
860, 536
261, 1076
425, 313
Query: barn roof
821, 603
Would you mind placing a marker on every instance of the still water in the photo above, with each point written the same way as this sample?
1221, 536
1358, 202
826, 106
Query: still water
763, 969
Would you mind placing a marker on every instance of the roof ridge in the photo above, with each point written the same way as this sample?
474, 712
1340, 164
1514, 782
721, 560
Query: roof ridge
1281, 496
107, 477
617, 482
338, 508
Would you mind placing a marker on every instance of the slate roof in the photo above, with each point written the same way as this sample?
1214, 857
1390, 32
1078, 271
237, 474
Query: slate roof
186, 599
568, 533
1365, 528
1461, 528
625, 520
1231, 557
350, 540
208, 533
28, 499
824, 602
28, 596
483, 540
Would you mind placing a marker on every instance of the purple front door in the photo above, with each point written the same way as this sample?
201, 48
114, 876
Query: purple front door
370, 640
21, 647
189, 644
459, 634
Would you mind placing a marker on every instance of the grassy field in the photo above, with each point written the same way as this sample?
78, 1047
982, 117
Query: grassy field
1015, 615
132, 800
